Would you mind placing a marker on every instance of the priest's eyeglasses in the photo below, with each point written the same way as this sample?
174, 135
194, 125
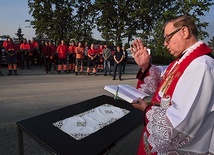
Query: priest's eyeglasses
169, 36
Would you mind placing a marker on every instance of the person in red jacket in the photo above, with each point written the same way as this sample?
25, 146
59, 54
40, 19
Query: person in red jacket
62, 50
53, 48
100, 60
72, 56
35, 52
11, 52
79, 58
31, 52
25, 50
92, 54
48, 57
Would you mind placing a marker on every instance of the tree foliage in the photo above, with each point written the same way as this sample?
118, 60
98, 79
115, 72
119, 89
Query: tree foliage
62, 19
122, 19
19, 35
116, 20
211, 43
83, 20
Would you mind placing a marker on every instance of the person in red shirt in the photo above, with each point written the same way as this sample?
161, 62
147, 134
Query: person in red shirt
100, 60
11, 53
92, 54
35, 52
31, 52
62, 50
79, 58
54, 60
48, 57
72, 56
25, 50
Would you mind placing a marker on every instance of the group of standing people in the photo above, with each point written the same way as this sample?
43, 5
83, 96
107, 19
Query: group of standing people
66, 58
99, 59
18, 54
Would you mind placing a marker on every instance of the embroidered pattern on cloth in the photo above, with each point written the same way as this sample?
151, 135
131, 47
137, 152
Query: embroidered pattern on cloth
150, 85
82, 125
182, 153
163, 137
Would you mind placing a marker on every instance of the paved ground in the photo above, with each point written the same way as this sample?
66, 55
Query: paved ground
32, 93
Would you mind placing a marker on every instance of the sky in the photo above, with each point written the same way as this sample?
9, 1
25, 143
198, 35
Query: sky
13, 14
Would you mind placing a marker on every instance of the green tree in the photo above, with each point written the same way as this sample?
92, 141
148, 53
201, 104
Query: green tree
122, 19
194, 8
83, 20
211, 43
19, 35
52, 18
109, 19
117, 20
62, 19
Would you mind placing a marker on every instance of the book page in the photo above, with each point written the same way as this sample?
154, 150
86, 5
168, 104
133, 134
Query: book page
126, 92
132, 90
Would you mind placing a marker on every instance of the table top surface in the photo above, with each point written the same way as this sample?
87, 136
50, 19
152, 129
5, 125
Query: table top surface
42, 129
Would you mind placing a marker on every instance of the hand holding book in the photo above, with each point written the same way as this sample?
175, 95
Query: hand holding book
126, 92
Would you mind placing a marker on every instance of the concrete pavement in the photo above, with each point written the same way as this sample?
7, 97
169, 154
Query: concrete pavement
32, 93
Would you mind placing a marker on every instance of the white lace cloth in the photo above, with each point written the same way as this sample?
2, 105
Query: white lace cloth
82, 125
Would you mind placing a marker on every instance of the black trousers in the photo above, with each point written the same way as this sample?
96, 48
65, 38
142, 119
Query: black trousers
117, 67
24, 57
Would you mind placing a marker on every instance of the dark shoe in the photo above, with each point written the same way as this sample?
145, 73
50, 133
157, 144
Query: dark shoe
105, 74
15, 72
88, 74
113, 79
120, 79
10, 72
59, 72
75, 73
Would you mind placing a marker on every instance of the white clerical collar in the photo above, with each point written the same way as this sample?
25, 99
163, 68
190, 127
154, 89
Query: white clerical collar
189, 50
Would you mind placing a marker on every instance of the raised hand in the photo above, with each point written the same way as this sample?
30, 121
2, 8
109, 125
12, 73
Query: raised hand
140, 54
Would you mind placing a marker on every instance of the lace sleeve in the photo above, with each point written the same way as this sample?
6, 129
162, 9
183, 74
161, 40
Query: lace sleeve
152, 81
163, 137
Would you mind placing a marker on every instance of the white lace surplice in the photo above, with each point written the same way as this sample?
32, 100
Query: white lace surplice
84, 124
152, 81
187, 125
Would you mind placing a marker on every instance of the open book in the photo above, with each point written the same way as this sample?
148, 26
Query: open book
126, 92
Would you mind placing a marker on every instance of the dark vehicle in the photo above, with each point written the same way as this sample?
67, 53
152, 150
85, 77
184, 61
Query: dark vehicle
3, 59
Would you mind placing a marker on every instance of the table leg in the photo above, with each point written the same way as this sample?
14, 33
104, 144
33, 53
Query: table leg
20, 142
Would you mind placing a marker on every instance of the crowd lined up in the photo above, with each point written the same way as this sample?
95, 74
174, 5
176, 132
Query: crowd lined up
65, 58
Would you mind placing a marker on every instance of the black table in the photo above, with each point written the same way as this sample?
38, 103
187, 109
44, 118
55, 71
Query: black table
56, 141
